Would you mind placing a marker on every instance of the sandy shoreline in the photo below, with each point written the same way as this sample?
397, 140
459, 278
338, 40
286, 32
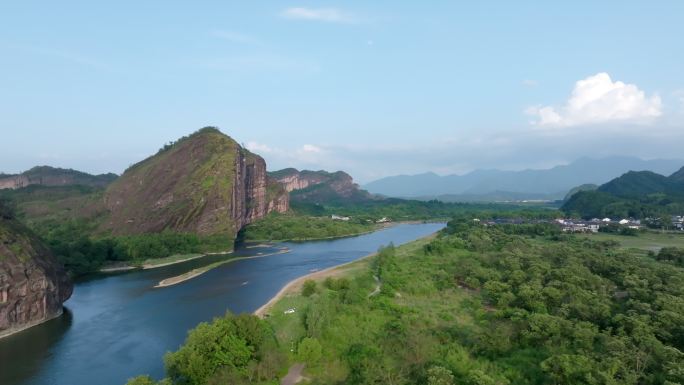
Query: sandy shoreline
296, 284
147, 266
201, 270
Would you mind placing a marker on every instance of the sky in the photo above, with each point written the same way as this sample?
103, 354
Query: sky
375, 88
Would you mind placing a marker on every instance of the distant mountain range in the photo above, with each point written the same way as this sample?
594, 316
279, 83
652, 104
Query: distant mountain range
636, 194
51, 176
488, 185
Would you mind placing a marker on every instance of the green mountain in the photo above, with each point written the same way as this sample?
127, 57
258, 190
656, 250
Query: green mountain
51, 176
634, 194
205, 183
635, 184
575, 190
678, 176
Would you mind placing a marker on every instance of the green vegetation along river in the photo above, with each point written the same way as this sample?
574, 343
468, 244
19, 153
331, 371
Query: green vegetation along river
118, 326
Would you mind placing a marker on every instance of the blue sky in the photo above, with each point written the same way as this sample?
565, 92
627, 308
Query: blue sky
375, 88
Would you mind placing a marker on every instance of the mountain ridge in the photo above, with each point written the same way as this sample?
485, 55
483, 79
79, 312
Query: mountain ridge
54, 176
636, 194
556, 181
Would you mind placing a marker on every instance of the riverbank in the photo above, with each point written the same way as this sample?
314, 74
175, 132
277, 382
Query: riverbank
9, 332
160, 262
201, 270
378, 227
295, 286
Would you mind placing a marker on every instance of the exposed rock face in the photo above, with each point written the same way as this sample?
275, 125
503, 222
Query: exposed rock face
33, 285
205, 183
320, 186
339, 181
50, 176
292, 179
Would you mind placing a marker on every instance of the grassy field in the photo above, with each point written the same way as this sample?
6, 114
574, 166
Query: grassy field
652, 241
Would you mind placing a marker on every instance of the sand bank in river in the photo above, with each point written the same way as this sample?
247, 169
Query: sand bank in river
201, 270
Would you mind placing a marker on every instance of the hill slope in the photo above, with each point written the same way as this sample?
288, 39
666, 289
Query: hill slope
634, 194
51, 176
556, 181
204, 183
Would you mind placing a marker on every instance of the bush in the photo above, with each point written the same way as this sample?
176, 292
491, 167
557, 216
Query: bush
309, 350
309, 288
229, 347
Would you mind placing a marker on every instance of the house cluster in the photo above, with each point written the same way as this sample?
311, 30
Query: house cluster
593, 225
678, 222
335, 217
575, 226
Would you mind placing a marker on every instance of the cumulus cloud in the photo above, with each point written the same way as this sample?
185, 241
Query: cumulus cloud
330, 15
598, 99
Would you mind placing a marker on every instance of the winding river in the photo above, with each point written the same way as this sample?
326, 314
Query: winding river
119, 326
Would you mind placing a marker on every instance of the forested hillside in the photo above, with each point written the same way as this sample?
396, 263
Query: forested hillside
504, 304
635, 194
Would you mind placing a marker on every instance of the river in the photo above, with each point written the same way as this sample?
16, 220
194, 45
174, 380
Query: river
118, 326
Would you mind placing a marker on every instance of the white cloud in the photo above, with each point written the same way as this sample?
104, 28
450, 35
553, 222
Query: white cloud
258, 147
530, 83
526, 148
597, 99
310, 148
331, 15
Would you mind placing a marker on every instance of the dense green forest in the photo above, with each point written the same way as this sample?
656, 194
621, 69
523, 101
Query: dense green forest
73, 244
74, 239
402, 209
510, 304
279, 227
313, 221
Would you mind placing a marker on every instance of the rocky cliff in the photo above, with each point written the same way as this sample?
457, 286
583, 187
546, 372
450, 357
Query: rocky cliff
319, 186
33, 285
51, 176
204, 183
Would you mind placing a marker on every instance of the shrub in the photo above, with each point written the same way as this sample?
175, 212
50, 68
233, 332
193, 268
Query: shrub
309, 288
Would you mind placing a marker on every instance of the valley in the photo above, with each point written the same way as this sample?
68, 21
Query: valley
325, 267
341, 193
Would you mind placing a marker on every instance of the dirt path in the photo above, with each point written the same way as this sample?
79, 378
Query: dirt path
294, 375
378, 285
